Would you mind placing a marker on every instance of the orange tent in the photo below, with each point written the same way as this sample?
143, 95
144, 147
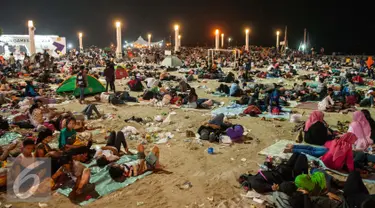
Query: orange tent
369, 61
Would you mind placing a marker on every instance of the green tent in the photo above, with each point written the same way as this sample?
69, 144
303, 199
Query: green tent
69, 86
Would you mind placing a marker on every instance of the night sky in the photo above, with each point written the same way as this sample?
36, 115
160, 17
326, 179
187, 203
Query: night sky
334, 25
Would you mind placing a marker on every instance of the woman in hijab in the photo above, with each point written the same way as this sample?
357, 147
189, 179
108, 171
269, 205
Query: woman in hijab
316, 131
371, 122
356, 193
362, 129
340, 154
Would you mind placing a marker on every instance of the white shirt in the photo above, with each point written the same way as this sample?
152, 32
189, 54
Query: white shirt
322, 105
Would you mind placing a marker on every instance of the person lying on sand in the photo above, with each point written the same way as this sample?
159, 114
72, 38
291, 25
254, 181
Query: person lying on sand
135, 168
76, 171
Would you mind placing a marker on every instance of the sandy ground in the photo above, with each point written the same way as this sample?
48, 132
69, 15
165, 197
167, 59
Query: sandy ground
213, 177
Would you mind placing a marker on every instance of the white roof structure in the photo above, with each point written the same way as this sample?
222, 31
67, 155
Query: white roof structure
140, 43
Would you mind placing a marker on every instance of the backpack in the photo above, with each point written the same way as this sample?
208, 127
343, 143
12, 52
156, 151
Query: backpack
235, 132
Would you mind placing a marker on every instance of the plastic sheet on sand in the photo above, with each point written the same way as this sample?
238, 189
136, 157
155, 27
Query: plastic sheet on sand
104, 184
9, 137
277, 150
236, 109
232, 110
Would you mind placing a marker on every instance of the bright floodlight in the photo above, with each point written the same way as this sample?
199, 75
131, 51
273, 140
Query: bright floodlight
70, 46
229, 39
80, 35
278, 33
118, 24
179, 36
216, 32
149, 35
303, 46
222, 35
247, 31
30, 23
176, 27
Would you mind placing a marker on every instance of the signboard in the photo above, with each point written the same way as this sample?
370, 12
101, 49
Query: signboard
20, 44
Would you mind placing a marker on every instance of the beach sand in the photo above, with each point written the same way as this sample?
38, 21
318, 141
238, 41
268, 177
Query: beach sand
213, 177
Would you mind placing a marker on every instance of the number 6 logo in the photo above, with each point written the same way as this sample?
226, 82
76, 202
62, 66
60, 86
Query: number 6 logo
23, 177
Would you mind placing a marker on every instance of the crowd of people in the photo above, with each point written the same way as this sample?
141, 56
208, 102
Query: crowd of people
338, 84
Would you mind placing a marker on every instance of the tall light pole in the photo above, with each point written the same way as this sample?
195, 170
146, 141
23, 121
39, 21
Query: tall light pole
176, 34
179, 40
31, 37
229, 40
304, 39
277, 40
80, 42
247, 31
149, 41
119, 45
217, 39
222, 40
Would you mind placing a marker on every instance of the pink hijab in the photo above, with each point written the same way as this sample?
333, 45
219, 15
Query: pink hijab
361, 128
341, 146
315, 116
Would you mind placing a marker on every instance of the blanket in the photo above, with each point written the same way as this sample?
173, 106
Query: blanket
104, 184
9, 137
311, 105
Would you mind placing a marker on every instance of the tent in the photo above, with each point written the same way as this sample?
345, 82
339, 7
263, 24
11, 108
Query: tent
171, 61
69, 86
121, 72
142, 43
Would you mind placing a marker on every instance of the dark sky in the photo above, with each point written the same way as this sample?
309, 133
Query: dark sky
335, 25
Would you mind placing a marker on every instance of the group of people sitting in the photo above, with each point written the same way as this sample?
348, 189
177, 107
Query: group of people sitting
350, 151
68, 167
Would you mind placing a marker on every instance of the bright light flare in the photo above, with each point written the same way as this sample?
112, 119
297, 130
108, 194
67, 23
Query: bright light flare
30, 23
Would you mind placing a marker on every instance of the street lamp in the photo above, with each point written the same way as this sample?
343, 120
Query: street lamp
176, 42
80, 35
229, 40
217, 39
222, 40
277, 40
31, 27
118, 35
247, 31
149, 40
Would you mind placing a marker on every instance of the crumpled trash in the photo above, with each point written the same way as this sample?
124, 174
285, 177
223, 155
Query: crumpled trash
158, 118
42, 205
164, 137
109, 116
295, 118
185, 185
153, 129
129, 130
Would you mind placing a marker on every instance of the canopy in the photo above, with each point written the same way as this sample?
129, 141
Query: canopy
69, 86
171, 61
140, 43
